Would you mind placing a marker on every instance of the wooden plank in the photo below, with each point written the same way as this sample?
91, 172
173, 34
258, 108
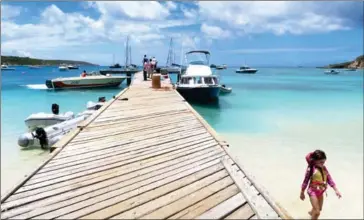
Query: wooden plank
16, 196
130, 176
256, 202
125, 151
118, 204
224, 208
141, 135
206, 204
94, 196
151, 139
127, 168
133, 146
131, 131
163, 210
77, 173
244, 212
91, 163
263, 192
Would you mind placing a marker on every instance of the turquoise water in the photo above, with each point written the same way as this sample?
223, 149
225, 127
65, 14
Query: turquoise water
279, 111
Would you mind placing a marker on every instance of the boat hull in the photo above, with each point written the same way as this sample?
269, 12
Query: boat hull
246, 71
87, 82
202, 94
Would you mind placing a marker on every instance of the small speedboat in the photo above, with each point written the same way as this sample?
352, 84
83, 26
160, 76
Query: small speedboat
6, 67
72, 67
34, 67
89, 81
246, 69
331, 72
63, 68
225, 89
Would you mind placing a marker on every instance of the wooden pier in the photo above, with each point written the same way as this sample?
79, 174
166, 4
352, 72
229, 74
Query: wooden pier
145, 154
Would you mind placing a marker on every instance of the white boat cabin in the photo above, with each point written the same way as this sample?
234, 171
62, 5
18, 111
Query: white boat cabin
198, 80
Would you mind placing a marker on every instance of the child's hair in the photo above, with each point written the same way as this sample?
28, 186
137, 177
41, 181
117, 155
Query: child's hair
315, 156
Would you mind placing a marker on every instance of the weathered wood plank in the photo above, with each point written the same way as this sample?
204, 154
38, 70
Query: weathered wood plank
118, 204
244, 212
224, 208
256, 202
163, 210
97, 187
93, 197
206, 204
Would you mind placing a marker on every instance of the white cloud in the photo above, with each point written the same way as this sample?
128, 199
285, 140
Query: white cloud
149, 10
282, 50
279, 17
171, 5
190, 13
214, 32
8, 11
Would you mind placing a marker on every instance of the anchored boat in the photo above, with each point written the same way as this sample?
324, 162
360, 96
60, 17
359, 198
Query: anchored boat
89, 81
246, 69
198, 82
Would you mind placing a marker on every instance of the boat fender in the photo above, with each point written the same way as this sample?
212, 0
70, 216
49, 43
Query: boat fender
55, 109
41, 135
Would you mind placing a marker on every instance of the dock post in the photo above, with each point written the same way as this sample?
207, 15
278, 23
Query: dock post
128, 80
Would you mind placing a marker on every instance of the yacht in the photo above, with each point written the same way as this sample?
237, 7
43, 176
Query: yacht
246, 69
6, 67
63, 68
197, 82
72, 67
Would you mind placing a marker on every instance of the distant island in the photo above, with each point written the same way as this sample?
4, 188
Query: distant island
15, 60
358, 63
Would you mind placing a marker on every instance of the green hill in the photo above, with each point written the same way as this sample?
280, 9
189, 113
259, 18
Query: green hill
14, 60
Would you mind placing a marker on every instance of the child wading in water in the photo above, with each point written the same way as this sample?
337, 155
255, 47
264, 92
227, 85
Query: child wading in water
317, 177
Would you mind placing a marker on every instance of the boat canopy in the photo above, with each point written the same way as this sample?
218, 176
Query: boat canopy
198, 51
198, 57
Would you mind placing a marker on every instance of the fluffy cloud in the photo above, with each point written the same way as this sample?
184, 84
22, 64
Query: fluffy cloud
8, 11
148, 10
214, 32
282, 17
283, 50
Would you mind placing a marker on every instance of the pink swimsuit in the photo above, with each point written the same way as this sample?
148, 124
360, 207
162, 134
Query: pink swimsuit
317, 186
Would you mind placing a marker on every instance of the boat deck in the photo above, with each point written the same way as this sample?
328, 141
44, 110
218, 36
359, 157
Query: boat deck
144, 154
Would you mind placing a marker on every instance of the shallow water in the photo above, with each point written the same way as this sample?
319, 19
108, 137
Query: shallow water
272, 119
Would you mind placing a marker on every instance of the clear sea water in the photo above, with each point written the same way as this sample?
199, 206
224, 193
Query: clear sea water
272, 119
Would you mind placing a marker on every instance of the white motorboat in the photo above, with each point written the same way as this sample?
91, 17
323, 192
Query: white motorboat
89, 81
198, 82
224, 89
246, 69
34, 67
42, 119
46, 137
72, 67
332, 72
63, 68
6, 67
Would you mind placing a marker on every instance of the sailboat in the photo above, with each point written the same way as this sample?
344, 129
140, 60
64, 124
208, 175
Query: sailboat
115, 65
171, 67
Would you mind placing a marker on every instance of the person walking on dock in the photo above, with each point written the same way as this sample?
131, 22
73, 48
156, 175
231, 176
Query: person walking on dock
150, 69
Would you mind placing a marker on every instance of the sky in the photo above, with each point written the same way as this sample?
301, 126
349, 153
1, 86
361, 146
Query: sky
274, 33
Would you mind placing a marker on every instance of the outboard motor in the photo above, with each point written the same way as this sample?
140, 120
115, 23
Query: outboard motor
55, 109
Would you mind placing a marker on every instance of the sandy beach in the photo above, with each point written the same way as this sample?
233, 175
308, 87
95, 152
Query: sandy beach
277, 161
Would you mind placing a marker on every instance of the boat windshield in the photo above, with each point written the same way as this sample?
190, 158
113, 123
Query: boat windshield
198, 58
